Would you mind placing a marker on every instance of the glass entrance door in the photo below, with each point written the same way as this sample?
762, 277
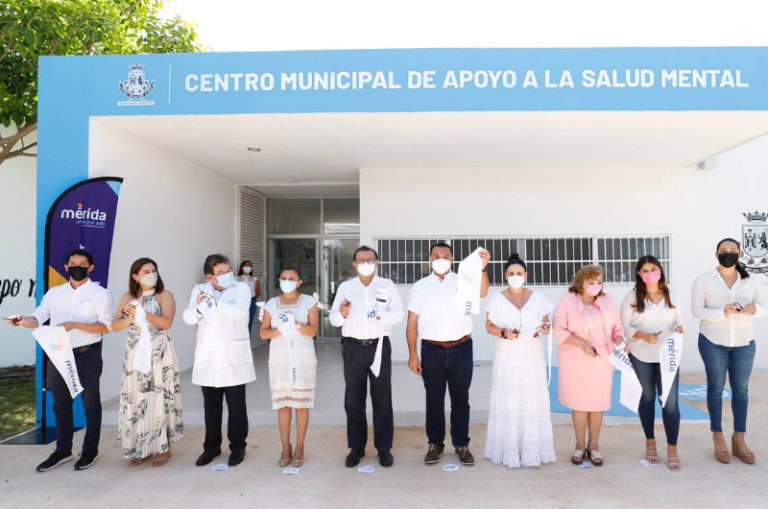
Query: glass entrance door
300, 254
336, 267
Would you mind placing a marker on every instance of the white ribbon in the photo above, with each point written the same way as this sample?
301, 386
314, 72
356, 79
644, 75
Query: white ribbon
630, 390
142, 355
669, 359
549, 356
55, 343
379, 306
469, 281
286, 324
208, 357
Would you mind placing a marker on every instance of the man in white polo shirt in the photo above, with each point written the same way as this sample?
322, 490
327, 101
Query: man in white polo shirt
446, 351
365, 308
84, 309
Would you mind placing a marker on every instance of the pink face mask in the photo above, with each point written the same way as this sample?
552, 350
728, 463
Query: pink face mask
592, 289
651, 278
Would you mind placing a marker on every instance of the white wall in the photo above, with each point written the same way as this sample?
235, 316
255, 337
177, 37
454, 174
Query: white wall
170, 210
18, 199
696, 208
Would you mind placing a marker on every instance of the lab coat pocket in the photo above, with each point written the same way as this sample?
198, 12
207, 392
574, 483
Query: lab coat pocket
239, 351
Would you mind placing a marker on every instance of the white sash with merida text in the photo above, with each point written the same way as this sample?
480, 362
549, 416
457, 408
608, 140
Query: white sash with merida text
469, 281
286, 324
56, 344
669, 360
630, 390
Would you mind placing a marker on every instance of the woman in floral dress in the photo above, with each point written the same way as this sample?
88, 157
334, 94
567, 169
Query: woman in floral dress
150, 392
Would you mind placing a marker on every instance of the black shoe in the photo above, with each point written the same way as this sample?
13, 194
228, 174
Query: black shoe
236, 457
353, 458
54, 460
207, 457
386, 459
87, 459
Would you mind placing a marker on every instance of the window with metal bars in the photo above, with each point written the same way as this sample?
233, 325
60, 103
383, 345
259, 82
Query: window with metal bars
551, 261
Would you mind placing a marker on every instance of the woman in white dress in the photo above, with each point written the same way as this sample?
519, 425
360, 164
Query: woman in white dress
519, 424
292, 361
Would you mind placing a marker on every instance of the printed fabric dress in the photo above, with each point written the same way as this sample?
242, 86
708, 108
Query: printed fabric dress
302, 393
519, 423
150, 405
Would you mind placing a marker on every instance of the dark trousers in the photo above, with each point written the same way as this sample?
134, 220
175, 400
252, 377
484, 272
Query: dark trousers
649, 375
357, 374
736, 362
237, 424
89, 365
251, 314
452, 367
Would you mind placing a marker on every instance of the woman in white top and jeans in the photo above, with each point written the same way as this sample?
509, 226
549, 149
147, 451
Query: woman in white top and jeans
650, 312
726, 300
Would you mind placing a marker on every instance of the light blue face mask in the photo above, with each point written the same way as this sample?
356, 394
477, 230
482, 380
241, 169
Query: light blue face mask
288, 286
226, 280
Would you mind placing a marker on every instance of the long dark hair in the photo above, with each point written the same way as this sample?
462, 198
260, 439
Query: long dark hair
739, 266
641, 292
133, 286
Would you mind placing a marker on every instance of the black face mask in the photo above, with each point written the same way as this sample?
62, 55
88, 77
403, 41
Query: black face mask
78, 273
728, 260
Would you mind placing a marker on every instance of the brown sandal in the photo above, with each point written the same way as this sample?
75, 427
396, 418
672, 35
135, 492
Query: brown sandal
577, 458
722, 455
135, 462
651, 456
161, 459
673, 462
595, 458
747, 457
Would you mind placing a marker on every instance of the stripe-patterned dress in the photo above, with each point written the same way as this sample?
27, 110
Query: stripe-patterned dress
150, 405
302, 393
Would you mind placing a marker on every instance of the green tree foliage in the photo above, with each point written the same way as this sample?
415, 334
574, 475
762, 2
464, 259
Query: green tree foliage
32, 28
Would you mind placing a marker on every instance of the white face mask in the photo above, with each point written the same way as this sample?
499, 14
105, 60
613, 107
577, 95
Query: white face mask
366, 269
247, 270
516, 281
441, 266
288, 285
149, 280
226, 280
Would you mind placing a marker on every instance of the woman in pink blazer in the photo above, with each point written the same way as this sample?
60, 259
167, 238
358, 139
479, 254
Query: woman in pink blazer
586, 325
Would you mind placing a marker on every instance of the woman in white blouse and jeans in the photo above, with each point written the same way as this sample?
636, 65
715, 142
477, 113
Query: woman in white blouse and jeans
650, 312
726, 300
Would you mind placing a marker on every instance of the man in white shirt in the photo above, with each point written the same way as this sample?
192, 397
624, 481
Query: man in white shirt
365, 308
84, 309
446, 351
223, 359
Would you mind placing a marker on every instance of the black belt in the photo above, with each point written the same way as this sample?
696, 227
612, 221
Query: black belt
86, 348
364, 342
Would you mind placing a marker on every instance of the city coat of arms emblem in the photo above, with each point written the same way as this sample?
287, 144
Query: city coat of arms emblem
754, 242
136, 88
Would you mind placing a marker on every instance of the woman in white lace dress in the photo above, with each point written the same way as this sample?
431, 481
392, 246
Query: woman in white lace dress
290, 321
519, 424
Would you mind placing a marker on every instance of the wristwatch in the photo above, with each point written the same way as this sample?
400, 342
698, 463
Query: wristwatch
504, 333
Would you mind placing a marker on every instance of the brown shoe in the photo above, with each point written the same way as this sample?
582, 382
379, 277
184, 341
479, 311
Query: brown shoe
465, 456
433, 454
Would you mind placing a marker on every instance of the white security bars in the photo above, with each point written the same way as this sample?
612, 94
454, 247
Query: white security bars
551, 261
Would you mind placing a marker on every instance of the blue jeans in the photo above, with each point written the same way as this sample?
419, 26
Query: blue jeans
451, 366
649, 375
737, 362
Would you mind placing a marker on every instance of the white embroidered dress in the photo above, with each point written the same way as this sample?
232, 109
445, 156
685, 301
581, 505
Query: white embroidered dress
519, 423
302, 394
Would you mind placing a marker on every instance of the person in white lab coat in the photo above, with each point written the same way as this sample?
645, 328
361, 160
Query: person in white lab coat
223, 359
